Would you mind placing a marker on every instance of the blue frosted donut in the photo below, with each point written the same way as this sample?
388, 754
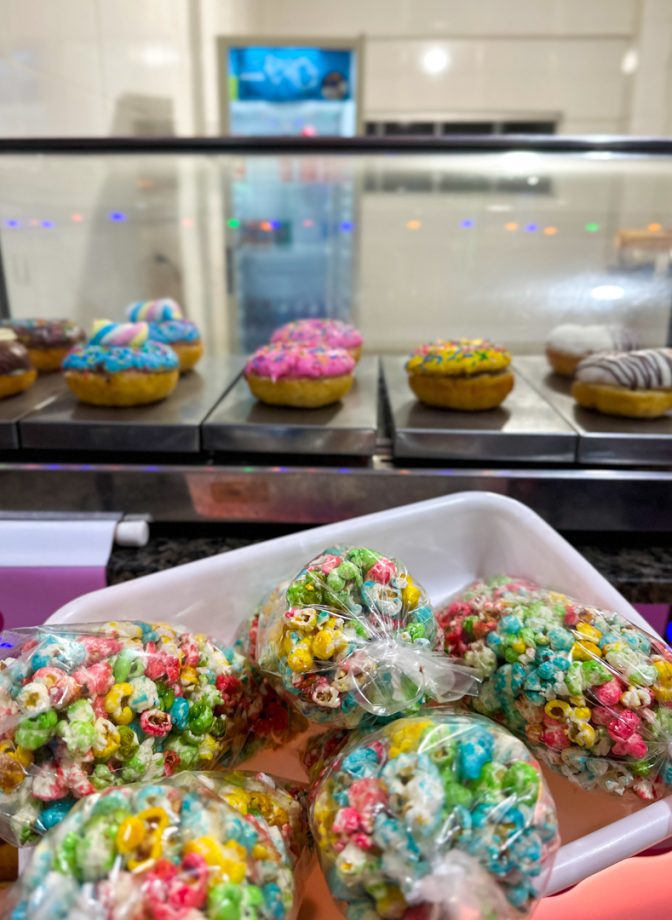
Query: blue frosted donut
151, 357
174, 331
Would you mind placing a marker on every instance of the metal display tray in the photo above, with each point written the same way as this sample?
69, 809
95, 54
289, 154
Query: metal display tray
171, 426
602, 439
524, 428
14, 408
240, 424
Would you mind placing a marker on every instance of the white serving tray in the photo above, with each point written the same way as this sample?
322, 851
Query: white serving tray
445, 543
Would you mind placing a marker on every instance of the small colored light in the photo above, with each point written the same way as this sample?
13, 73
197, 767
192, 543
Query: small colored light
11, 223
266, 226
655, 228
511, 227
466, 224
47, 224
592, 228
550, 231
76, 218
531, 228
233, 222
117, 216
187, 221
346, 226
413, 224
308, 222
275, 224
34, 222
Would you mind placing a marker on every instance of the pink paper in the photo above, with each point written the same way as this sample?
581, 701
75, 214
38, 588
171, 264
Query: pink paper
29, 595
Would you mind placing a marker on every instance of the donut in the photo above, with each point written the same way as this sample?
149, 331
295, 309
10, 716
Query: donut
16, 371
48, 340
154, 311
437, 815
463, 374
183, 337
120, 367
299, 376
189, 847
570, 343
633, 384
332, 333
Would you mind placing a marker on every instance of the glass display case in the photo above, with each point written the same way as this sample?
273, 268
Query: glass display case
411, 240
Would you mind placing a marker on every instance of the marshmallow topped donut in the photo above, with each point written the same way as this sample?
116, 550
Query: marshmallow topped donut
120, 367
570, 343
634, 384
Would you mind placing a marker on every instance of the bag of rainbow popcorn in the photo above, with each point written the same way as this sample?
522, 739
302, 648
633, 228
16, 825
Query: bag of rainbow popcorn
216, 845
589, 692
435, 815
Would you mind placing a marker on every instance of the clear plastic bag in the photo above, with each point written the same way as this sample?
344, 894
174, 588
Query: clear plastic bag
438, 815
354, 634
195, 845
111, 703
589, 691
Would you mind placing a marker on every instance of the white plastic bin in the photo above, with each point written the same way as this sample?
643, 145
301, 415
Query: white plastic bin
445, 543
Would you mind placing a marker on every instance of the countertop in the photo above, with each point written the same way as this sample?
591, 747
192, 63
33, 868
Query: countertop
643, 574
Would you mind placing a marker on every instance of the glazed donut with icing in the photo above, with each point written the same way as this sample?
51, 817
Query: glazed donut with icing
119, 366
48, 340
331, 333
293, 375
570, 343
16, 371
463, 374
634, 384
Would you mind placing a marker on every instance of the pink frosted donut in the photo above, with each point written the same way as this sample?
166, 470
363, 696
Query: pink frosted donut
329, 332
295, 375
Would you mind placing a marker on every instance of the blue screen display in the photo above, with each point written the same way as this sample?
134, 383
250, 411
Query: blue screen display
290, 74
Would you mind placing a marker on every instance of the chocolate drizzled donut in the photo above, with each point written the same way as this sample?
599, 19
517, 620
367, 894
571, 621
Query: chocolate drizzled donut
647, 369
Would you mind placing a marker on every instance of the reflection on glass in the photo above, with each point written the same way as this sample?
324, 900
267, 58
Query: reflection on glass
410, 247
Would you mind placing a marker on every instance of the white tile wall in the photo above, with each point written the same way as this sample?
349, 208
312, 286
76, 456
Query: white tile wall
578, 80
440, 17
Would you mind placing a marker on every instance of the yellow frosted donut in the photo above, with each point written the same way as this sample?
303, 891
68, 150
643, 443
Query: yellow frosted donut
463, 374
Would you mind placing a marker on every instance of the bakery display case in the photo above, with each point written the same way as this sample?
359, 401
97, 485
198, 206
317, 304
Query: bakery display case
411, 240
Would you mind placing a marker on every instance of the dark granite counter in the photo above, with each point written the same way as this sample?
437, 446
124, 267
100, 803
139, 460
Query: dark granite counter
642, 574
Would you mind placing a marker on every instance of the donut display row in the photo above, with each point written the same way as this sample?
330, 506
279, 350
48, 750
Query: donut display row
121, 364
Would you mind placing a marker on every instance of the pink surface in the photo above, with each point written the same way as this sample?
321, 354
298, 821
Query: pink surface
29, 595
635, 889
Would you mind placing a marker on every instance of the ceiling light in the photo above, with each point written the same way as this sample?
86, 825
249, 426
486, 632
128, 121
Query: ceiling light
607, 292
435, 60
